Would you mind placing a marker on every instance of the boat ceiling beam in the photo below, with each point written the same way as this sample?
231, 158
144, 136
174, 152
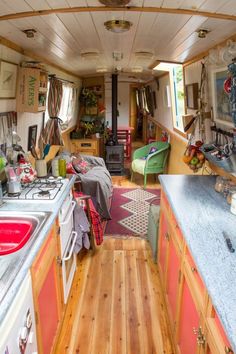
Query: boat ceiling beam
26, 14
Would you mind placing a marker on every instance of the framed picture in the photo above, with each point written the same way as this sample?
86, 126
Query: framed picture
192, 95
220, 99
32, 135
8, 75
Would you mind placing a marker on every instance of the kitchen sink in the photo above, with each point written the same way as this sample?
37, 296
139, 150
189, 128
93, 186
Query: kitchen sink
19, 228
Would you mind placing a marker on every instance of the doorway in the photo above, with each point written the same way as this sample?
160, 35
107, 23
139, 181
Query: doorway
136, 115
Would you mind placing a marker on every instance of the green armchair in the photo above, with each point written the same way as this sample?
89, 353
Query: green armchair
144, 162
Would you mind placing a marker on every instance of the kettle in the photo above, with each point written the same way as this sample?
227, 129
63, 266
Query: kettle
27, 173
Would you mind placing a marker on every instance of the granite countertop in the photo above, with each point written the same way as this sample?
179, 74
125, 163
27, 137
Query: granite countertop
203, 214
16, 265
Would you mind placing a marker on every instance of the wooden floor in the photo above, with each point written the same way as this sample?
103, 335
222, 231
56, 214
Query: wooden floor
116, 305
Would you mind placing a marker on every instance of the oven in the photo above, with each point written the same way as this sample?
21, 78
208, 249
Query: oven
68, 238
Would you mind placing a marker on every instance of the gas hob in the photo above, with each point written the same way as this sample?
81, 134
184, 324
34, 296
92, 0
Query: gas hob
42, 189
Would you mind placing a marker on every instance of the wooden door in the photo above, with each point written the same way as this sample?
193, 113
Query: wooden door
189, 322
47, 295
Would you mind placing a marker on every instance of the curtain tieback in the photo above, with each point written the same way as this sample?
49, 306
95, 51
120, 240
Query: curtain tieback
60, 121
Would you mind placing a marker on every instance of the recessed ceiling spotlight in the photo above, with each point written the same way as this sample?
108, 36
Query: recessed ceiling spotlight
29, 32
202, 33
114, 2
118, 26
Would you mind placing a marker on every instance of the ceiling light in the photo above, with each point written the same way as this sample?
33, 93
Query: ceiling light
202, 32
117, 56
114, 2
101, 69
143, 55
117, 26
137, 69
29, 32
89, 55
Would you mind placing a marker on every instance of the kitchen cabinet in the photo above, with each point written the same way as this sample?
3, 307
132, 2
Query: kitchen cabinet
31, 90
195, 325
47, 294
87, 146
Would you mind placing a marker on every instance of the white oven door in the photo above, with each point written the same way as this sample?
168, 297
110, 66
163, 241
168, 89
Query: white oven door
69, 265
66, 227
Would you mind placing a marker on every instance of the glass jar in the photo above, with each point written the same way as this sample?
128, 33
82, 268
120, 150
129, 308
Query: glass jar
232, 191
221, 184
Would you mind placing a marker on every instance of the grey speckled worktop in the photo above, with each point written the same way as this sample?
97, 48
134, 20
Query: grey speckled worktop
15, 266
203, 215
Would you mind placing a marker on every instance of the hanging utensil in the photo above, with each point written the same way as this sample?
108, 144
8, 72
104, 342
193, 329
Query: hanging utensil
46, 150
33, 150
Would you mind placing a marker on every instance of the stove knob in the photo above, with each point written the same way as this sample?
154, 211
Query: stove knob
51, 178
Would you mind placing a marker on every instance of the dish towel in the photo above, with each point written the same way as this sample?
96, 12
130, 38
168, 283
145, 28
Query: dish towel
95, 219
82, 228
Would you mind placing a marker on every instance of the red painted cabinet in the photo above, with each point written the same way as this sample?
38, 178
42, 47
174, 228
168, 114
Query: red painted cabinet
189, 322
163, 244
47, 294
172, 278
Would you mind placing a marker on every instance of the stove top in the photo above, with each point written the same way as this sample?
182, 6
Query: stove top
45, 189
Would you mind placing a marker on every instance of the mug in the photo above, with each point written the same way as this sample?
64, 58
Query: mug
41, 168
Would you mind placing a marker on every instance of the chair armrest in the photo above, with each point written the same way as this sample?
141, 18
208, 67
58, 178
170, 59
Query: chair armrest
94, 160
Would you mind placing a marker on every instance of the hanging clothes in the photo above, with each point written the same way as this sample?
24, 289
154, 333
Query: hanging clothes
82, 228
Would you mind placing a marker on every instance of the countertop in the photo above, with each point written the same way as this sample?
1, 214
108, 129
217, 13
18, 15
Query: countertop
16, 265
203, 215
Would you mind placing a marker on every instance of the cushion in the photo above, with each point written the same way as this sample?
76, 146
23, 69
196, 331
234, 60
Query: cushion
151, 151
80, 165
138, 166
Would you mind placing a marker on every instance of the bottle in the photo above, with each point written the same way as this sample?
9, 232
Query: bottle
62, 168
55, 167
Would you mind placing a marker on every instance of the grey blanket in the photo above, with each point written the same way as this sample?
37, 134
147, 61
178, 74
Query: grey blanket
97, 183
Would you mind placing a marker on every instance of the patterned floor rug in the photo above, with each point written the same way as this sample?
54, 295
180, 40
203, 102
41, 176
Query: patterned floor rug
129, 211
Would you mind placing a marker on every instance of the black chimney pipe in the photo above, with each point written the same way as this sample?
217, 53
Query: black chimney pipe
114, 106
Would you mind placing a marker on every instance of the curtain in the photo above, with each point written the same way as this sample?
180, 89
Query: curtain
51, 134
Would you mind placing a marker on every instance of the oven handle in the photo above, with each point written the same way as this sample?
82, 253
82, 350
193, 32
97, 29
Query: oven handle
64, 259
70, 213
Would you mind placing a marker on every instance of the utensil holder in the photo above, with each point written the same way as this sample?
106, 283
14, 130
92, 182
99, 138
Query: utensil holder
41, 168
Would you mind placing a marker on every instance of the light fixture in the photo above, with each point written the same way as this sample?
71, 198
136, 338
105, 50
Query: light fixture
101, 69
114, 2
143, 55
29, 32
117, 26
202, 32
90, 55
137, 69
117, 56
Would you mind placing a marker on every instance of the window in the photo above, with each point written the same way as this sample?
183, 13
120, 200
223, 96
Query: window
174, 94
68, 104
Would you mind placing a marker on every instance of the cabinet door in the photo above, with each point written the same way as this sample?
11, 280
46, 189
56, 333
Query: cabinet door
189, 322
163, 245
47, 295
172, 278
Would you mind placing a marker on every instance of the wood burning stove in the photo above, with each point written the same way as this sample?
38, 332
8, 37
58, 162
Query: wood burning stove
115, 158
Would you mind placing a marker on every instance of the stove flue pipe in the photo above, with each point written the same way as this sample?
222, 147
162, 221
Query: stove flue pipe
114, 106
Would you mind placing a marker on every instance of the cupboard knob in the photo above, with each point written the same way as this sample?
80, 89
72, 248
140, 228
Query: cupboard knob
59, 261
193, 269
167, 236
228, 350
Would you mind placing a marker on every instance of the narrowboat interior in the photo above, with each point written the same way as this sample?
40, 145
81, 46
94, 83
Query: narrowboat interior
118, 176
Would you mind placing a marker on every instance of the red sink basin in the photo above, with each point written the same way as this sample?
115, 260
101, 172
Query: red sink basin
14, 234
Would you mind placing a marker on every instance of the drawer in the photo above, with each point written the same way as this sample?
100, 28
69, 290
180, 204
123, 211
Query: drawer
89, 144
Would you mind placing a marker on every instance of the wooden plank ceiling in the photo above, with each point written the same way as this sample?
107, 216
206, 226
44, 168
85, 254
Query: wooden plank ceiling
165, 29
